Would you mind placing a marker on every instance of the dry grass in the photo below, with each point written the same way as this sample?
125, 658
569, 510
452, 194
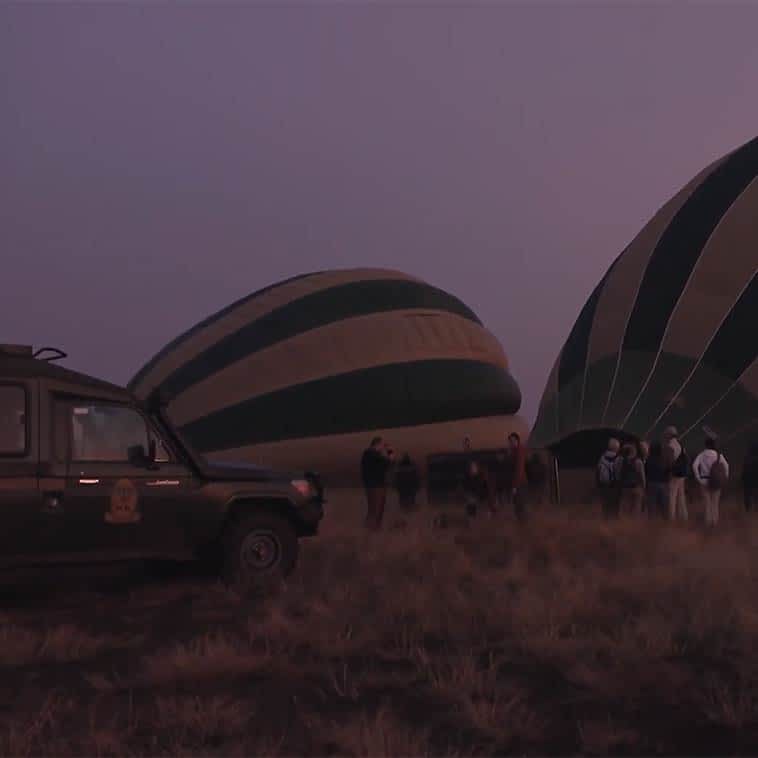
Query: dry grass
568, 636
381, 733
21, 646
209, 656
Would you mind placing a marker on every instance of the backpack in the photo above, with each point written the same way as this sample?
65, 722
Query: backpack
718, 476
630, 476
606, 470
681, 465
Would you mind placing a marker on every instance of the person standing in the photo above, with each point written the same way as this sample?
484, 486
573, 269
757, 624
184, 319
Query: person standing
657, 482
632, 481
643, 450
750, 478
607, 476
467, 445
518, 484
503, 477
375, 463
476, 489
536, 477
643, 453
407, 483
711, 470
677, 464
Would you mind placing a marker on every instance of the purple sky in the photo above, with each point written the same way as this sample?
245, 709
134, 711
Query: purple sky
157, 163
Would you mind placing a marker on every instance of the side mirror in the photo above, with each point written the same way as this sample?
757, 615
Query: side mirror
137, 455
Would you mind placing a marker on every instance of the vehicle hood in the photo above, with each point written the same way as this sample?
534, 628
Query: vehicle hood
244, 472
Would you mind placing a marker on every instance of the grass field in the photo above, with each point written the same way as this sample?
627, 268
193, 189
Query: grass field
568, 636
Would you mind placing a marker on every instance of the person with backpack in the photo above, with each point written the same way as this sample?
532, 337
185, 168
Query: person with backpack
677, 464
750, 477
711, 470
606, 478
631, 480
657, 480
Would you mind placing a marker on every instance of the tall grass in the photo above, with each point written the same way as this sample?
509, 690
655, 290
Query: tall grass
569, 635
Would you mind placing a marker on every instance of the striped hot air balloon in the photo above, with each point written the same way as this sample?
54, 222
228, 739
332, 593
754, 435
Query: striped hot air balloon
303, 373
668, 337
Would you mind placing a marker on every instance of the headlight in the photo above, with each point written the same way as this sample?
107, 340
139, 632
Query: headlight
304, 487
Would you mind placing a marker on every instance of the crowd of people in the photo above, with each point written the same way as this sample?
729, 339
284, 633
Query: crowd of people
639, 478
481, 486
636, 478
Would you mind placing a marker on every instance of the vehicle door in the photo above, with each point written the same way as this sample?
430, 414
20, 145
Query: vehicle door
24, 530
173, 511
114, 498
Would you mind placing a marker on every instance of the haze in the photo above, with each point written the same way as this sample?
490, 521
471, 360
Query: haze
158, 162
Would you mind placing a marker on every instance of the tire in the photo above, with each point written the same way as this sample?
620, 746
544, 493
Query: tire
259, 548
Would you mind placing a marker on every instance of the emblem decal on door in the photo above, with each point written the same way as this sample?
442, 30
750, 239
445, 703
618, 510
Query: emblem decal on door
123, 504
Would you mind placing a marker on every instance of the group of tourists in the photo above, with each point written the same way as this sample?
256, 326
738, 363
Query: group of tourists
501, 483
482, 485
639, 477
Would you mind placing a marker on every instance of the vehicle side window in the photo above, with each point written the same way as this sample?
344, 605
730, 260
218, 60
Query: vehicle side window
12, 420
103, 432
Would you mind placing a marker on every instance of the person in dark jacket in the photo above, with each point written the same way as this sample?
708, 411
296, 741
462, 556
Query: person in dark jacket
375, 463
656, 476
631, 479
476, 488
750, 477
407, 483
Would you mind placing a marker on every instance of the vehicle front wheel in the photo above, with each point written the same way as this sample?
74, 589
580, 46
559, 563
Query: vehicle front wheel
259, 547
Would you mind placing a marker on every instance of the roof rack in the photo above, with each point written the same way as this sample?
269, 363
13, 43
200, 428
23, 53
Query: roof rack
16, 350
27, 351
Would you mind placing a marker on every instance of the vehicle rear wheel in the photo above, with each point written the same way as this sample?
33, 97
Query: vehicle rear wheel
259, 547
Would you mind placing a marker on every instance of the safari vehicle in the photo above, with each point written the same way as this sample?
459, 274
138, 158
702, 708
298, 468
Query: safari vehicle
88, 474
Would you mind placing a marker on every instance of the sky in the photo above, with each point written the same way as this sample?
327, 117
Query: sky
158, 161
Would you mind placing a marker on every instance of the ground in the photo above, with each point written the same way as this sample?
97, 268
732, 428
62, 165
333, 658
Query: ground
567, 636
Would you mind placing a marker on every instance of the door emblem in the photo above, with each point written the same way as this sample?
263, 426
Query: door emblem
123, 504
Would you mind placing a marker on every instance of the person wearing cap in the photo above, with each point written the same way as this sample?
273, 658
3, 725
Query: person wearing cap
677, 466
711, 470
607, 478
